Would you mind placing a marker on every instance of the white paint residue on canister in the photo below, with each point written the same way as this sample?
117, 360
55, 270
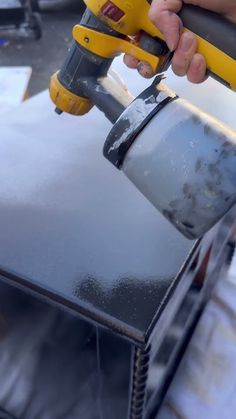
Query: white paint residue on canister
135, 116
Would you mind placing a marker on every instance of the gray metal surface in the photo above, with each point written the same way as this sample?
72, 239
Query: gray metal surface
73, 228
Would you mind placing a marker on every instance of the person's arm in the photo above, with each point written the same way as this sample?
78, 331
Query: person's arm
186, 60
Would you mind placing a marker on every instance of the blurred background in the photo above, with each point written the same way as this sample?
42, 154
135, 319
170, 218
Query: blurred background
36, 34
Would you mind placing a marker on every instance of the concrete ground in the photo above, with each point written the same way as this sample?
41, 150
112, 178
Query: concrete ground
44, 56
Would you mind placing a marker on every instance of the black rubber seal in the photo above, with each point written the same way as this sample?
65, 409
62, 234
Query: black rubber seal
132, 122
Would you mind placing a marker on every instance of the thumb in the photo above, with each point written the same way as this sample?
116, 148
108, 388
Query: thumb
163, 13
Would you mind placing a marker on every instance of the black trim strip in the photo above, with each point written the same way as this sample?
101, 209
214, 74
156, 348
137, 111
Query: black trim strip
126, 129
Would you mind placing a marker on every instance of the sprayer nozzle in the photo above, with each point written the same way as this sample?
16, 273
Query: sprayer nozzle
58, 111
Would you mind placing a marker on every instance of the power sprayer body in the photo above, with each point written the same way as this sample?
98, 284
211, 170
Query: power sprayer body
181, 159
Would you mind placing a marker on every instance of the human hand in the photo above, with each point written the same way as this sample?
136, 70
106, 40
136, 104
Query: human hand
186, 60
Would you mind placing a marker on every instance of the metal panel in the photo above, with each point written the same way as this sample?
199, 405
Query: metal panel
74, 229
72, 225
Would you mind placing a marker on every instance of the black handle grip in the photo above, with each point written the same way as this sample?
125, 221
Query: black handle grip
212, 27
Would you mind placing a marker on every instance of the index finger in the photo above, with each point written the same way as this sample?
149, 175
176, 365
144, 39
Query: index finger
163, 13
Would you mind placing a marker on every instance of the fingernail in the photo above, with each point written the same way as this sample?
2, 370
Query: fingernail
133, 61
197, 64
186, 41
145, 70
171, 46
197, 67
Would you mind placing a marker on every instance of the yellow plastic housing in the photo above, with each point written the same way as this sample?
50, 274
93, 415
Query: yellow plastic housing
108, 46
67, 101
136, 20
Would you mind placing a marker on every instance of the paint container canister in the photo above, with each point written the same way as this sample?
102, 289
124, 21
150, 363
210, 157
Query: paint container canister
180, 158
